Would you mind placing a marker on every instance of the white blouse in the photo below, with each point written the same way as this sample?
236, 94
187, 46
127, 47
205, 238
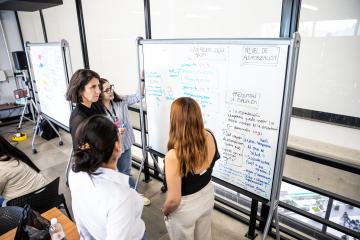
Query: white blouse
105, 207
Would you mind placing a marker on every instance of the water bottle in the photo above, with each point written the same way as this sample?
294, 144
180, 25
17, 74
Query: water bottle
56, 230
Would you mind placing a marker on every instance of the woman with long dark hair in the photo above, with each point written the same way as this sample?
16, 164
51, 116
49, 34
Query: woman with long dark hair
191, 156
104, 205
116, 108
18, 174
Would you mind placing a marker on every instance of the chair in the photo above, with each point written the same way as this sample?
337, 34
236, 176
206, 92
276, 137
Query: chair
42, 199
9, 218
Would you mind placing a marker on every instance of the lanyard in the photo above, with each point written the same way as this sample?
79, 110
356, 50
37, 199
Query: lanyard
114, 117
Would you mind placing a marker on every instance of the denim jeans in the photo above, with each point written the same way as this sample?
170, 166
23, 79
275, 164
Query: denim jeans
124, 166
2, 200
144, 237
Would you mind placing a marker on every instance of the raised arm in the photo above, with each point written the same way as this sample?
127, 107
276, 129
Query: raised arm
173, 180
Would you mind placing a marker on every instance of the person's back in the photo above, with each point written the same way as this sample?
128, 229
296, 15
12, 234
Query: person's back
18, 174
199, 178
104, 205
191, 156
17, 179
107, 195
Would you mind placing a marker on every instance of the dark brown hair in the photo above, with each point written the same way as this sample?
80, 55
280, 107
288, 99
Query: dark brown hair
11, 152
116, 96
95, 139
187, 134
77, 84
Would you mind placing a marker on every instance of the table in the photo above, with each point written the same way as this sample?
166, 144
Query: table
69, 227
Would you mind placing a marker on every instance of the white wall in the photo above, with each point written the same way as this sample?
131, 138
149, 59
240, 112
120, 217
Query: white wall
30, 24
327, 133
328, 69
215, 18
111, 30
13, 42
61, 23
328, 73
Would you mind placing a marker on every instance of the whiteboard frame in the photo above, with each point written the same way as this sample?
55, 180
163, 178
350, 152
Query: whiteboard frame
288, 93
67, 69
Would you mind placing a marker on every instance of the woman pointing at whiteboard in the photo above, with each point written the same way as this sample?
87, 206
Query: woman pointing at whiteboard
192, 152
116, 108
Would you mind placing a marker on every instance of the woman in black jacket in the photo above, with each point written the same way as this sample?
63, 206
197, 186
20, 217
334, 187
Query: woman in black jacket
83, 91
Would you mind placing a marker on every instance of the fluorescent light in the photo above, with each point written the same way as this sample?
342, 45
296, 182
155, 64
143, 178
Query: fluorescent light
310, 7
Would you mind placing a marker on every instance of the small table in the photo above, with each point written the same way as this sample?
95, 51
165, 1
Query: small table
69, 227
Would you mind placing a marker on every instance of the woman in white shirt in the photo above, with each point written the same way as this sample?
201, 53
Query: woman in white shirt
104, 205
18, 174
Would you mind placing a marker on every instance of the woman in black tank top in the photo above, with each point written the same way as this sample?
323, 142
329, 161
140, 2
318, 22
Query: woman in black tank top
192, 152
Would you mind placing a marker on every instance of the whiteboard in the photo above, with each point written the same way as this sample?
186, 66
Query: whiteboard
240, 89
50, 74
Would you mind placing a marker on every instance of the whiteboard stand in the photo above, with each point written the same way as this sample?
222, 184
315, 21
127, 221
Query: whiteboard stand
162, 174
28, 100
142, 119
142, 126
69, 166
40, 117
64, 64
284, 133
252, 223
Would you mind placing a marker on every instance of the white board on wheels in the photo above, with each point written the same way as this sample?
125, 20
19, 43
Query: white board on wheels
239, 86
50, 72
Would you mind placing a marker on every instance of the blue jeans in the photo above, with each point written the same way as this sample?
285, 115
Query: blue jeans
2, 200
124, 166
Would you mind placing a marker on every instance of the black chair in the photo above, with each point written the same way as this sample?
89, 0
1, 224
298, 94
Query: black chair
9, 218
42, 199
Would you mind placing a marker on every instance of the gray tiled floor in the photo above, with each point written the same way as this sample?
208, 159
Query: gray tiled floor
52, 159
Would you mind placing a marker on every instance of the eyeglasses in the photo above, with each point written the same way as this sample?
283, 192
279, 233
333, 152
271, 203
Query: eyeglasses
110, 89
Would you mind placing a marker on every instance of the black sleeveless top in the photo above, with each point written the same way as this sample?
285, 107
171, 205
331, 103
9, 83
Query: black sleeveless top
193, 183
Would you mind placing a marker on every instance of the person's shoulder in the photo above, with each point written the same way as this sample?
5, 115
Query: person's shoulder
78, 111
13, 166
171, 154
171, 157
210, 136
113, 190
5, 164
97, 108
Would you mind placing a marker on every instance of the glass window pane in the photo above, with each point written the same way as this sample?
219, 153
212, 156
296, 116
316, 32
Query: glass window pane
215, 18
232, 196
345, 215
328, 68
306, 200
339, 235
299, 218
111, 31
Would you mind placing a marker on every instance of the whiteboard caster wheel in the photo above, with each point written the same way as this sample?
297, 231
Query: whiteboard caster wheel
34, 151
61, 143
